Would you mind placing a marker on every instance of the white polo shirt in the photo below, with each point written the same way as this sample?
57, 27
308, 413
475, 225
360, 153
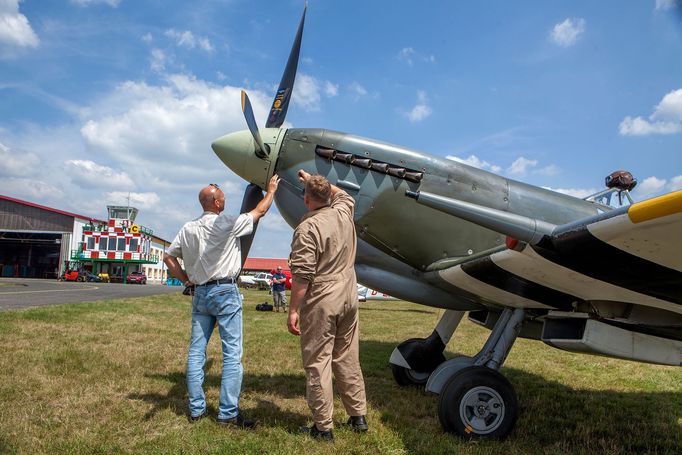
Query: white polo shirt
209, 246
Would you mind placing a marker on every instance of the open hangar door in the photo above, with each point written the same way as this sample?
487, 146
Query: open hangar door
30, 254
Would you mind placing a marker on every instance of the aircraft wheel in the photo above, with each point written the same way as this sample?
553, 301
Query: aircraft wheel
478, 402
406, 377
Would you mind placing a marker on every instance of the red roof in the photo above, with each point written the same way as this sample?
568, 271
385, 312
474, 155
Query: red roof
50, 209
265, 264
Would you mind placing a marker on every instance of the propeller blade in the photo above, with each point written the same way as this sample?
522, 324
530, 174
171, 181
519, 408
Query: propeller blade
281, 103
262, 151
253, 194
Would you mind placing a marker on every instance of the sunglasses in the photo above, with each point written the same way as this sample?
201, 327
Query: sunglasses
214, 185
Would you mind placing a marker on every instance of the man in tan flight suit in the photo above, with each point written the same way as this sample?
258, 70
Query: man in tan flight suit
324, 305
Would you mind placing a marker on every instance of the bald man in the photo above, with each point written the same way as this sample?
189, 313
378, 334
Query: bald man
210, 249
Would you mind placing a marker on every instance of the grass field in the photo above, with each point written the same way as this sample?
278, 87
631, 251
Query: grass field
108, 377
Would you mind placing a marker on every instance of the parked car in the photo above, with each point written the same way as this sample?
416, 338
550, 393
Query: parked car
137, 277
80, 275
86, 275
263, 280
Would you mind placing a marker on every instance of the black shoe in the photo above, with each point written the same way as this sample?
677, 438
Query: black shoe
193, 419
238, 422
358, 423
313, 432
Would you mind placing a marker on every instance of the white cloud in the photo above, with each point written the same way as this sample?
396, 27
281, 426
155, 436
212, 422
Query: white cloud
475, 161
31, 189
357, 89
16, 163
521, 166
666, 118
667, 4
150, 139
175, 121
566, 33
654, 186
421, 110
409, 55
157, 60
112, 3
147, 37
15, 30
308, 90
306, 93
86, 174
405, 55
575, 192
188, 40
330, 89
138, 200
650, 186
675, 183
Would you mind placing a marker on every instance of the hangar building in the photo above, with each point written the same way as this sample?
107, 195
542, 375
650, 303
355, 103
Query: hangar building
42, 242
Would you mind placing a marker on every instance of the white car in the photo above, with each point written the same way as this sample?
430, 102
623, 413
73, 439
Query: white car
263, 280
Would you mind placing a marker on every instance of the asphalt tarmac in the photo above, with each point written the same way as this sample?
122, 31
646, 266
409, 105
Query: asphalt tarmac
18, 293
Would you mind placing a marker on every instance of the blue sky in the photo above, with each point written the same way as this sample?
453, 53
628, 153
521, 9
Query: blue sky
99, 99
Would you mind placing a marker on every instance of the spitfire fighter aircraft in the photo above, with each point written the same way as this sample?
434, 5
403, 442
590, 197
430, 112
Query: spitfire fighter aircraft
524, 261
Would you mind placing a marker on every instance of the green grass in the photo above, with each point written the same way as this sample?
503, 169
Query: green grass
108, 377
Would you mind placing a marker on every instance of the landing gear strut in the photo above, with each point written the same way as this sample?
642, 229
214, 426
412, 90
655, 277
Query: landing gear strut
476, 401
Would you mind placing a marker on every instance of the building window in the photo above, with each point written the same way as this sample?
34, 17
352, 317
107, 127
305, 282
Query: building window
91, 243
103, 243
133, 245
121, 244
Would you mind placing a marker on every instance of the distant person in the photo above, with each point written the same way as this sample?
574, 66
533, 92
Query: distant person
324, 305
210, 249
279, 286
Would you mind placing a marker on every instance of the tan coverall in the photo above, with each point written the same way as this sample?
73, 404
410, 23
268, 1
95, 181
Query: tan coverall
323, 256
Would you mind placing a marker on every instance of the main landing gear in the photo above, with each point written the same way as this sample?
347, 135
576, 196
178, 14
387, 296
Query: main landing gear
476, 401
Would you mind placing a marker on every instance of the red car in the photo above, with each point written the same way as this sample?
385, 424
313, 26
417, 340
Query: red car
137, 277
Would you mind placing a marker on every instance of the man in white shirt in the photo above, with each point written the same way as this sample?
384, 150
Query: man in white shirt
210, 249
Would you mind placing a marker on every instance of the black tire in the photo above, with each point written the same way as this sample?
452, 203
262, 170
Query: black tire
409, 378
80, 279
478, 402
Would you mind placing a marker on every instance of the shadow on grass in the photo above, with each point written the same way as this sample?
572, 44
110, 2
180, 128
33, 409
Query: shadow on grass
552, 416
175, 399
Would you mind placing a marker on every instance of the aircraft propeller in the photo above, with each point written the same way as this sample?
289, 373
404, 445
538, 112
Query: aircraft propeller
253, 193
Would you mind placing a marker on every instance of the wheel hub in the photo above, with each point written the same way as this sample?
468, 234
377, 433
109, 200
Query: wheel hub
482, 410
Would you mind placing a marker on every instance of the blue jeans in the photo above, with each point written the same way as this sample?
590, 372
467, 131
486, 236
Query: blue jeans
221, 303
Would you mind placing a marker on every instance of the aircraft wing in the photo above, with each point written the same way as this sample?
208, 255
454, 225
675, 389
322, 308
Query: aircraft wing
628, 255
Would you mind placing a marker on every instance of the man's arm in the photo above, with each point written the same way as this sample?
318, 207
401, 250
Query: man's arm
298, 291
174, 268
264, 205
303, 177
